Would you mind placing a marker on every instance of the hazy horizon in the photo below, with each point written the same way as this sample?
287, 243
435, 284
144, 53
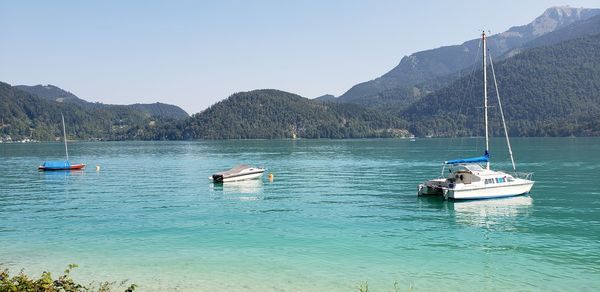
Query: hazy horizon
194, 54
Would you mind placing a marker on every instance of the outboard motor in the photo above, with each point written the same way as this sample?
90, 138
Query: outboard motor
217, 177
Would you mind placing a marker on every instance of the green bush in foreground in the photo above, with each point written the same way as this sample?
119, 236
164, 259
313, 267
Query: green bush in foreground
45, 283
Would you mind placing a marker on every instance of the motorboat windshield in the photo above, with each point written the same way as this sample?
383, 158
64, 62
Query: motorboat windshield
471, 167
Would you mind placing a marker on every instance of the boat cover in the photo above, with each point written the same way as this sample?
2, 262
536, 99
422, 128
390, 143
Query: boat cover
233, 171
56, 165
484, 158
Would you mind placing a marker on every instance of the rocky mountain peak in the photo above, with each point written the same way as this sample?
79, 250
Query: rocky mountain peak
554, 18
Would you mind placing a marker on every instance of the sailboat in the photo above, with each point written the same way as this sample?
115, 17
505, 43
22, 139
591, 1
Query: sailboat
61, 165
472, 178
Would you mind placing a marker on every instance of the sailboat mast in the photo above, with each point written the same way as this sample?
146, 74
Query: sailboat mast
65, 136
485, 99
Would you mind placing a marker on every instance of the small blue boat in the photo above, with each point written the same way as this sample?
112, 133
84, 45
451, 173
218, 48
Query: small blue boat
61, 165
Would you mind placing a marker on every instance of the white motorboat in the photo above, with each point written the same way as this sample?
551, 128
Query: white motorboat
250, 186
467, 179
239, 172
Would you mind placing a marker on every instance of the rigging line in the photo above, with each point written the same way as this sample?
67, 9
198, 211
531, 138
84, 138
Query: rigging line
471, 85
477, 113
65, 136
468, 90
472, 90
512, 160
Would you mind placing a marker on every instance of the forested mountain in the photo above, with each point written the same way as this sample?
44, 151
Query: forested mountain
276, 114
421, 72
162, 110
264, 114
326, 97
25, 115
546, 91
54, 93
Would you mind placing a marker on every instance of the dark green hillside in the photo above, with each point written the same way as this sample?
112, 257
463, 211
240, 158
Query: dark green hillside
158, 109
394, 101
547, 91
326, 97
256, 114
25, 115
272, 114
57, 94
52, 93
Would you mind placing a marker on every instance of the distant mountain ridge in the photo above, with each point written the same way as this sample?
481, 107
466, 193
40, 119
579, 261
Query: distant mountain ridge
397, 99
546, 91
587, 27
57, 94
431, 64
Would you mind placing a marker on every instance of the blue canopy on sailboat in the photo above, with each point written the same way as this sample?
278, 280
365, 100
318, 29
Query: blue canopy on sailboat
57, 165
484, 158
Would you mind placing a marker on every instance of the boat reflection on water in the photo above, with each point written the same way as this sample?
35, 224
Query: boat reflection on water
486, 213
60, 175
243, 187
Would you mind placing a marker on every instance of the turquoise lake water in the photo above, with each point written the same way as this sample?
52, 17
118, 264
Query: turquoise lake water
338, 213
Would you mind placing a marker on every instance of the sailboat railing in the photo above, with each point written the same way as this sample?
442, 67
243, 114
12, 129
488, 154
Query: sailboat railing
523, 175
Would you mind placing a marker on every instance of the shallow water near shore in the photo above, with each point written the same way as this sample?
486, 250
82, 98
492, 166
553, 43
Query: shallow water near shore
338, 213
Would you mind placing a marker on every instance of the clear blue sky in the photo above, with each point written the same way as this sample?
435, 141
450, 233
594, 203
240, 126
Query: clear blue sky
195, 53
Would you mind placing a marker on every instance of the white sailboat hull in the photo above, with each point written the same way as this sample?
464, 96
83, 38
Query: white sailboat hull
508, 190
477, 190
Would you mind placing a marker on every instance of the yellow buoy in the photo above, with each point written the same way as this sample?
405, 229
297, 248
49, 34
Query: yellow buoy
271, 177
